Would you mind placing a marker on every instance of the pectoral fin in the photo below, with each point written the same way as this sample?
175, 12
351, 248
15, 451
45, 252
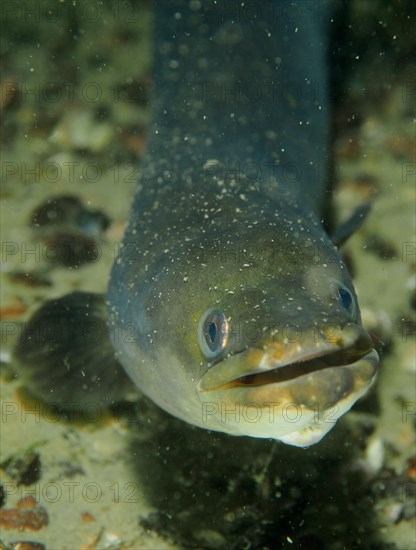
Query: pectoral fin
354, 222
64, 355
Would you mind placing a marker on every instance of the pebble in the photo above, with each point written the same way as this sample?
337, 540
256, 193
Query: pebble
374, 455
27, 515
210, 538
79, 130
378, 323
27, 545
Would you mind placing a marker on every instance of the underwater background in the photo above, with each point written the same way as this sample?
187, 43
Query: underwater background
75, 93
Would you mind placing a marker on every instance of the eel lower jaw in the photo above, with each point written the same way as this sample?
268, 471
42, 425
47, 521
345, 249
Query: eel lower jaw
292, 392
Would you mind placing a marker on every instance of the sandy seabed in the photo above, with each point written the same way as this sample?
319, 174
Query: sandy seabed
75, 89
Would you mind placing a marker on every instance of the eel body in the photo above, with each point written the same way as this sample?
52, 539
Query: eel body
229, 306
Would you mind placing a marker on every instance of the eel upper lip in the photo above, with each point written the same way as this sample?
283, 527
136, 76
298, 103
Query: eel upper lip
256, 367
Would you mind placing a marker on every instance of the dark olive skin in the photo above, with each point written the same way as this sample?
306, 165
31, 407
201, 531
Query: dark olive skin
228, 219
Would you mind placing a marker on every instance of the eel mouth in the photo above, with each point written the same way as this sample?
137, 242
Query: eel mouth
297, 369
276, 363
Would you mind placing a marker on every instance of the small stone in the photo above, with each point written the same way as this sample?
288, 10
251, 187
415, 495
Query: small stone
378, 323
27, 545
79, 130
27, 515
375, 455
210, 538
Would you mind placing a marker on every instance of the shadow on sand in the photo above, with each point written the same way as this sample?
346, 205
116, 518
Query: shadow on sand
212, 491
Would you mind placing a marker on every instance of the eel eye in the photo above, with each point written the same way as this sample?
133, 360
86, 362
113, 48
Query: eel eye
346, 298
213, 333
